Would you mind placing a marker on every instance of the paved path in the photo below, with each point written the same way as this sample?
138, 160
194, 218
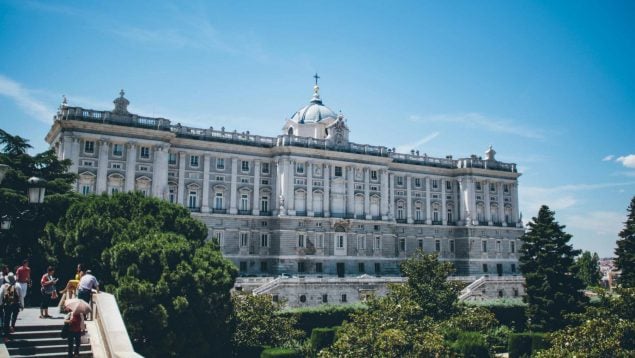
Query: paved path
30, 317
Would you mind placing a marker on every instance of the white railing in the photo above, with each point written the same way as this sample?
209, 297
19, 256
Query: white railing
112, 330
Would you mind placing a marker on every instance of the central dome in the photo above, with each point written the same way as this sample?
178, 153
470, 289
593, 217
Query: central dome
315, 111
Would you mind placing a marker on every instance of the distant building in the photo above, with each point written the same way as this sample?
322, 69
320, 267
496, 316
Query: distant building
309, 201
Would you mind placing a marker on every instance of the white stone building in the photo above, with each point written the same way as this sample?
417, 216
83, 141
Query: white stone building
308, 202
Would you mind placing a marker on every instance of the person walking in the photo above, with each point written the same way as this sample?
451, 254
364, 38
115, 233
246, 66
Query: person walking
3, 275
11, 301
87, 283
75, 322
23, 274
49, 291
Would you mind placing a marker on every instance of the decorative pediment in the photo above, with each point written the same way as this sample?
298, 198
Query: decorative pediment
193, 186
143, 178
116, 176
87, 174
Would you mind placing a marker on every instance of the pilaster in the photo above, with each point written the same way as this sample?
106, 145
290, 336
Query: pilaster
102, 167
428, 198
488, 213
181, 188
309, 189
409, 199
207, 159
444, 210
233, 187
131, 166
256, 197
367, 194
326, 201
160, 171
384, 195
350, 190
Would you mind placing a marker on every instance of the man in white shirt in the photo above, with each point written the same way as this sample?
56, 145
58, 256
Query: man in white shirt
12, 300
87, 283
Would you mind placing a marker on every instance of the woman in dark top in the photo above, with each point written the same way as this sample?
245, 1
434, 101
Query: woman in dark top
48, 291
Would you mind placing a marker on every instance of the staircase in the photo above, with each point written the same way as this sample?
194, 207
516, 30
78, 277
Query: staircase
35, 337
41, 341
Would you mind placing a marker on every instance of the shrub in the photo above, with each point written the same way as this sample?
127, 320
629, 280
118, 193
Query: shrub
280, 353
524, 344
498, 337
309, 318
322, 337
471, 345
509, 312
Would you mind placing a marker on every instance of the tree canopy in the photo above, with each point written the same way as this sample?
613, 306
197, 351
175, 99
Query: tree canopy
588, 268
625, 251
172, 285
546, 259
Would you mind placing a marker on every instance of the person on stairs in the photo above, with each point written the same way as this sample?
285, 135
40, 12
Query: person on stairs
48, 290
12, 301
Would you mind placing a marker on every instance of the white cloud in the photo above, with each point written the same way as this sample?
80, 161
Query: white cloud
25, 100
477, 120
600, 223
608, 158
627, 161
407, 147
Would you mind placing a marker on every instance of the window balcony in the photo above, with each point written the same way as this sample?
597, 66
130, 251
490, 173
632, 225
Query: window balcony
401, 221
318, 215
194, 210
420, 222
437, 222
219, 211
265, 213
300, 213
244, 212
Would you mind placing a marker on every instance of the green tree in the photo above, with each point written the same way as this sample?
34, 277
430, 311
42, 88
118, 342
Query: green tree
257, 323
625, 251
546, 258
171, 284
588, 268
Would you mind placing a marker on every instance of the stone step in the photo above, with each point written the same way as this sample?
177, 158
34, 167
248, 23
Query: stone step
52, 332
52, 355
38, 350
36, 342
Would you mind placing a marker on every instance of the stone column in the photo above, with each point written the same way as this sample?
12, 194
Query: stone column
488, 213
255, 205
444, 210
384, 195
276, 204
455, 199
233, 187
131, 166
428, 198
514, 193
501, 204
102, 167
472, 200
367, 194
391, 196
160, 171
289, 168
463, 202
350, 190
205, 200
409, 199
74, 157
309, 189
326, 200
181, 188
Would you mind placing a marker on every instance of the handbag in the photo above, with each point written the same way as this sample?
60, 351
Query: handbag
65, 330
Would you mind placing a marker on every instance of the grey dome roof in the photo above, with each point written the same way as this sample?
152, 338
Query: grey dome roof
314, 112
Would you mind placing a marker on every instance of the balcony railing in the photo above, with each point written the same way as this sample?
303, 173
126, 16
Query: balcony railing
244, 212
219, 211
194, 210
265, 213
437, 222
300, 213
401, 221
420, 222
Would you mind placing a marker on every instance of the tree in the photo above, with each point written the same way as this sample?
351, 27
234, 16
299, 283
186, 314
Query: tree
257, 323
546, 259
172, 285
625, 251
588, 268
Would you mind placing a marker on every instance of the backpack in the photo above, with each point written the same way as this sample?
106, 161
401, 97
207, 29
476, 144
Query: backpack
11, 296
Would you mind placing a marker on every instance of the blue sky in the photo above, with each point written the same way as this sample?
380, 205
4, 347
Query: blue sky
549, 84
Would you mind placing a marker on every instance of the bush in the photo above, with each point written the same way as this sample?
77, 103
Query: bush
524, 344
322, 337
248, 352
322, 316
280, 353
509, 312
498, 337
471, 345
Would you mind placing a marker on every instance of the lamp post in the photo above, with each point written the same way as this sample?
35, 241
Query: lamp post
36, 190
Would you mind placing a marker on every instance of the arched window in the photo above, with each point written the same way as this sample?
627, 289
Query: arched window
290, 131
418, 211
400, 210
218, 201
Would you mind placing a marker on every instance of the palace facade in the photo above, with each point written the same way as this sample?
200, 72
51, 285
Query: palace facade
307, 202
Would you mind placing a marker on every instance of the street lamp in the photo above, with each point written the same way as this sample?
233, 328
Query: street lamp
3, 170
36, 190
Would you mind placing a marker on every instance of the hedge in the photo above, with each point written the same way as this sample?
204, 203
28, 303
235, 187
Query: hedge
471, 345
322, 337
280, 353
322, 316
509, 312
524, 344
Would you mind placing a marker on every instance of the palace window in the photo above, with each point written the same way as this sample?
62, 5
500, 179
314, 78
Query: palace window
145, 152
402, 244
172, 194
86, 189
373, 175
264, 268
492, 187
264, 204
452, 246
399, 180
418, 212
361, 268
172, 158
325, 298
194, 161
219, 236
361, 242
264, 168
340, 241
299, 168
192, 199
448, 185
89, 147
377, 243
318, 267
512, 247
485, 268
264, 240
506, 188
244, 166
417, 182
478, 186
400, 210
301, 266
117, 150
343, 297
244, 202
377, 268
338, 171
420, 243
513, 268
484, 245
218, 201
243, 266
437, 245
498, 246
301, 241
220, 163
435, 184
220, 178
244, 239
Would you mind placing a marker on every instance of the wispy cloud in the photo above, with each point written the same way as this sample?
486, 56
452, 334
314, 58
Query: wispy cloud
559, 197
627, 161
404, 148
23, 97
608, 158
477, 120
600, 223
